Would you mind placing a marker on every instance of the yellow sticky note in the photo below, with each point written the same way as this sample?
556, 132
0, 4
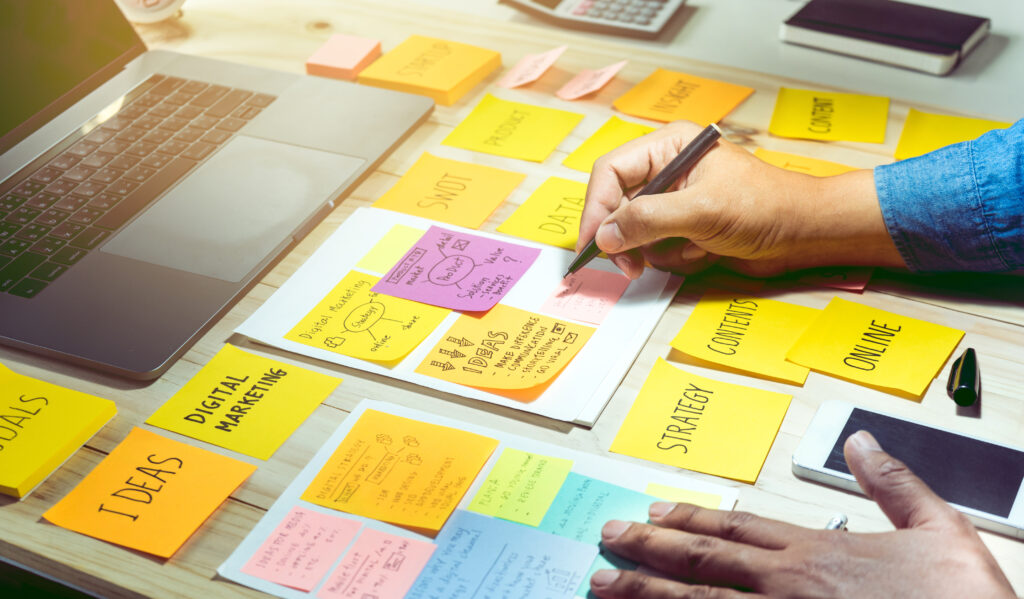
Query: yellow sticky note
505, 349
390, 249
550, 215
669, 96
802, 164
151, 493
689, 421
354, 321
677, 495
244, 402
450, 191
402, 471
436, 68
809, 114
925, 131
521, 486
747, 333
41, 425
611, 135
513, 129
880, 349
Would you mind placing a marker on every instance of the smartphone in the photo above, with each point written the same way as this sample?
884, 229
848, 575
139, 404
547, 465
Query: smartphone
980, 478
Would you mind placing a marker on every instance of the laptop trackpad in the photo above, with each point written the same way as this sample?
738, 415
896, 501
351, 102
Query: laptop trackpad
225, 217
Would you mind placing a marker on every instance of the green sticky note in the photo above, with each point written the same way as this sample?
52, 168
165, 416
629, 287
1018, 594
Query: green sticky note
521, 486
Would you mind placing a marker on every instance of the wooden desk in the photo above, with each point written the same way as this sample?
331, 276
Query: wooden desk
281, 35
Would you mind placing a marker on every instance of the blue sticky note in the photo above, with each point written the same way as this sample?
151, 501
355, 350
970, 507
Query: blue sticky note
480, 556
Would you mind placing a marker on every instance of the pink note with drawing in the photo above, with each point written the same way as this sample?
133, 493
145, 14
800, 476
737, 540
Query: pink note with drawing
587, 295
302, 548
589, 81
456, 270
530, 68
379, 565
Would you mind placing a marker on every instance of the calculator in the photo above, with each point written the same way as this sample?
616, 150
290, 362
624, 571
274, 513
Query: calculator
634, 18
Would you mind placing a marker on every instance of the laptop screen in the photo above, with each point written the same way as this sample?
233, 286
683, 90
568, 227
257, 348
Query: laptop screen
54, 52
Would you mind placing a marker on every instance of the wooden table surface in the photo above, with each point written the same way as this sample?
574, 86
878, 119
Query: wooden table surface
280, 35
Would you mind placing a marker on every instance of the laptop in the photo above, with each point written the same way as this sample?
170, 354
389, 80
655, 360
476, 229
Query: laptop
143, 192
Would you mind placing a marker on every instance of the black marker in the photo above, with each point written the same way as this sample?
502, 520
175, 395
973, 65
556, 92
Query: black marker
693, 151
964, 384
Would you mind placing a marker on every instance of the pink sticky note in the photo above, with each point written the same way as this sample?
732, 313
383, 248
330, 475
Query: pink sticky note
379, 565
302, 548
587, 295
343, 57
853, 280
530, 68
455, 270
588, 81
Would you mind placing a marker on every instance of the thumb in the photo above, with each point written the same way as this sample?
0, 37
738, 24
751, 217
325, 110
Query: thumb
906, 499
644, 220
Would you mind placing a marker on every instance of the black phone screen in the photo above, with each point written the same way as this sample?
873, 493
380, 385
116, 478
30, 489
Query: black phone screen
961, 470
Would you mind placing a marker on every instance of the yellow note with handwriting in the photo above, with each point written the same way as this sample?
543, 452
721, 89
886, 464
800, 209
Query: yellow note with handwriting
802, 164
400, 471
450, 191
390, 249
689, 421
550, 215
747, 333
354, 321
880, 349
827, 115
926, 131
669, 96
521, 486
611, 135
513, 129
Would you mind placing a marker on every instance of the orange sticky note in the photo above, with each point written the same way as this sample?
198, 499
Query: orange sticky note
343, 57
802, 164
399, 470
151, 493
530, 68
589, 81
669, 96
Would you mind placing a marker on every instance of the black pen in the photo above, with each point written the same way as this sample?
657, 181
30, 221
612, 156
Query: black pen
688, 157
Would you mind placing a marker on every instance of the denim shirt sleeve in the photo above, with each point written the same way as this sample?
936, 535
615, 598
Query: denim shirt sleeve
959, 208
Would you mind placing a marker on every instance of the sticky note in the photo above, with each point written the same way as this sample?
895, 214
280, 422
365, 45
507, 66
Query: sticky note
802, 164
550, 215
390, 249
244, 402
402, 471
436, 68
587, 294
853, 279
151, 493
302, 548
506, 348
700, 424
611, 135
450, 191
513, 129
353, 320
876, 348
669, 96
589, 81
530, 68
521, 486
925, 131
477, 556
457, 270
378, 565
41, 426
826, 115
343, 57
747, 333
677, 495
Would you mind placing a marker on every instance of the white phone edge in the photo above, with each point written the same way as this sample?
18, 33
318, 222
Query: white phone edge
822, 433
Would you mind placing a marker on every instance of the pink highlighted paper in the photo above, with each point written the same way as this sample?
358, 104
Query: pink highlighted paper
530, 68
302, 549
589, 81
459, 271
379, 565
587, 295
853, 280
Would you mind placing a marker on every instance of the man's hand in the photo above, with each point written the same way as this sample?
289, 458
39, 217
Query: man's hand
708, 554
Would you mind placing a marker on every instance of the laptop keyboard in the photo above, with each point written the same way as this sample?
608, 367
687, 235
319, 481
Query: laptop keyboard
71, 199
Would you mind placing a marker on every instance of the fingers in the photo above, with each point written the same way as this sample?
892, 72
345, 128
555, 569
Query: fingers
738, 527
647, 219
616, 584
691, 557
905, 498
679, 256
